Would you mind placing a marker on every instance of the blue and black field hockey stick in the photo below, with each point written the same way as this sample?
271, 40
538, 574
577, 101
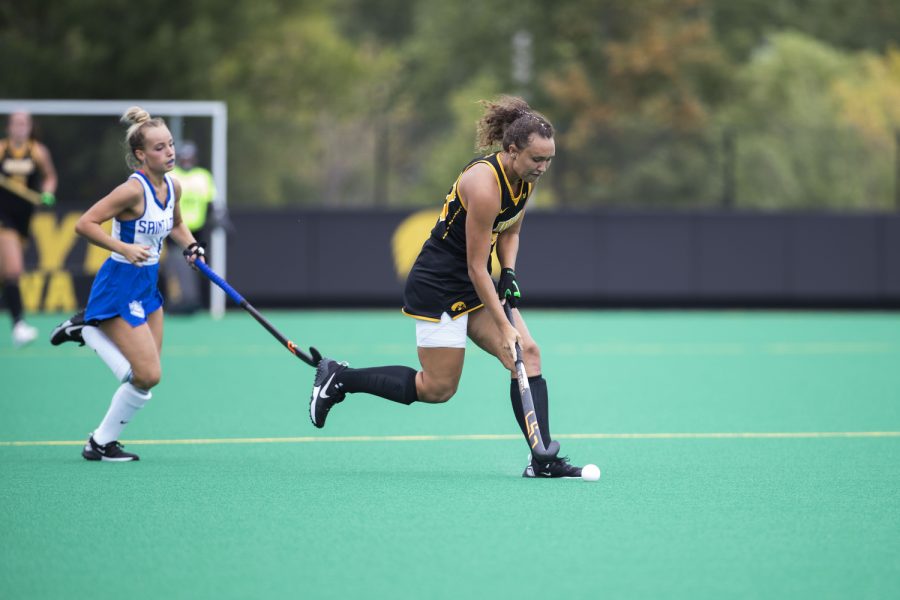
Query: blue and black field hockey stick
539, 449
312, 359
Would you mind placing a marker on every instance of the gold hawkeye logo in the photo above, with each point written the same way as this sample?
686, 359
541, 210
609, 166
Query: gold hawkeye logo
458, 306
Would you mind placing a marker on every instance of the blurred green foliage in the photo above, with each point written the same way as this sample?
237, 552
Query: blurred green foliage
357, 102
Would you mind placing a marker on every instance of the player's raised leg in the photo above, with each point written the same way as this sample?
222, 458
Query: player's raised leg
69, 330
76, 329
336, 379
441, 358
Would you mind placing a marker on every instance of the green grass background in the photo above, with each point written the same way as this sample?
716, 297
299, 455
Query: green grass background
671, 517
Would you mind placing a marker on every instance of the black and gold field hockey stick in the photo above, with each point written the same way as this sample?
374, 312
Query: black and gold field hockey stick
539, 449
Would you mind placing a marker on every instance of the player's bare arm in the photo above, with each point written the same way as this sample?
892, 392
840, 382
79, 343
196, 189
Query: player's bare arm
48, 170
478, 188
125, 202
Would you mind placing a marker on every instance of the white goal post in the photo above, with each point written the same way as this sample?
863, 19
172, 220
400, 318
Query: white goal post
217, 111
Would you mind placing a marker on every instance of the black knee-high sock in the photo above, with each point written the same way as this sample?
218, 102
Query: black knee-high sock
393, 383
13, 299
540, 397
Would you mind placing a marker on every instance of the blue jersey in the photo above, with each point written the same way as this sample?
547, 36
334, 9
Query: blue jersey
152, 227
121, 289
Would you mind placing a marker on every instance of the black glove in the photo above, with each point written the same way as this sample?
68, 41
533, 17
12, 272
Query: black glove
195, 250
508, 288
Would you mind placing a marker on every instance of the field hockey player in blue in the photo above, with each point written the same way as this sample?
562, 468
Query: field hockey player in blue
123, 320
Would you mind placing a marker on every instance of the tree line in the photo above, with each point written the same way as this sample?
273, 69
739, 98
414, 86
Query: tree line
677, 103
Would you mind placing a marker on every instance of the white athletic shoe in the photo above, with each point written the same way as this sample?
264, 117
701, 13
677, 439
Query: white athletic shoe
23, 334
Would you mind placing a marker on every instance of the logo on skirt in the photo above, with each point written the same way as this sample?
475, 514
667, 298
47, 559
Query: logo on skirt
136, 308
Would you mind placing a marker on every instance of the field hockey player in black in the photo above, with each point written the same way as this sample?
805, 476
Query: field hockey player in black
450, 291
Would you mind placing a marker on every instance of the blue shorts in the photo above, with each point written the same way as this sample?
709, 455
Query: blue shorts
124, 290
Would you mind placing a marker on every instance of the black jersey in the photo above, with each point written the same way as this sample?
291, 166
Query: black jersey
439, 280
20, 167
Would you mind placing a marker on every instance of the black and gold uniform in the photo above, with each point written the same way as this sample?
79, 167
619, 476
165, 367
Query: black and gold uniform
19, 165
439, 280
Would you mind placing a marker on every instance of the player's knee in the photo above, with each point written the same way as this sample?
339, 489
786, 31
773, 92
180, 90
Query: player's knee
443, 396
146, 377
531, 354
440, 393
144, 383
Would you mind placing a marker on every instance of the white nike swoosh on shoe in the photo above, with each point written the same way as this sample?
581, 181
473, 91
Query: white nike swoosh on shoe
325, 387
312, 405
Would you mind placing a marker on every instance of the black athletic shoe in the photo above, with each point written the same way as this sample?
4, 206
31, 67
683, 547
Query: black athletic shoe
325, 393
111, 452
69, 330
556, 468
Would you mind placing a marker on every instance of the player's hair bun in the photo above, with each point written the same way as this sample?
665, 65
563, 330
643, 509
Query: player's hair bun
135, 116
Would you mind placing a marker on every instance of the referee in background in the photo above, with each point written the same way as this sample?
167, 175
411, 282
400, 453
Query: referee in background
198, 190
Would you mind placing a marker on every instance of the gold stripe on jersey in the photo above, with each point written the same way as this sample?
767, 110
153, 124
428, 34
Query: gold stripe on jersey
459, 209
455, 191
522, 185
455, 194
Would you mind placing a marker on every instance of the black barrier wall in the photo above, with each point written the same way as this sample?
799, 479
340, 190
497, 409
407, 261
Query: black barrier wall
360, 258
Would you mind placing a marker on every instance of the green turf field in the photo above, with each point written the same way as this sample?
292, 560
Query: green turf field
744, 455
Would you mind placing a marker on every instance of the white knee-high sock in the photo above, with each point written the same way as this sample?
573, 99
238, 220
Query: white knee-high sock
125, 403
109, 352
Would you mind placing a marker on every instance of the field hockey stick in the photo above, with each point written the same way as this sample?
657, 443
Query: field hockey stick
20, 190
312, 359
539, 449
